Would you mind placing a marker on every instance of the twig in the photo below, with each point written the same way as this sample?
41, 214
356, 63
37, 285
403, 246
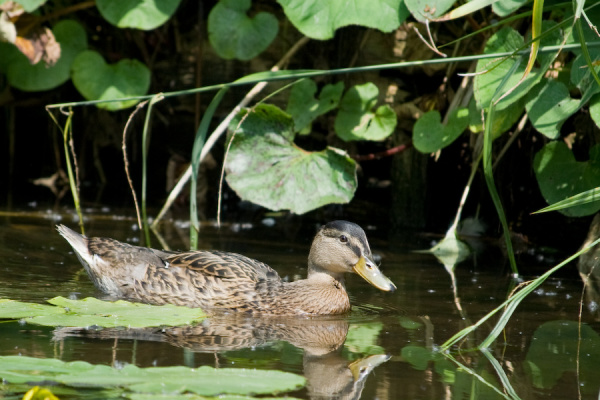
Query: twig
126, 161
210, 142
382, 154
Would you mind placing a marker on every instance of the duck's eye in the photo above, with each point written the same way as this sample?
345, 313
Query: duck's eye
343, 239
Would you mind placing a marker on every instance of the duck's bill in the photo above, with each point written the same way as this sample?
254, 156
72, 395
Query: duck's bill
361, 368
371, 273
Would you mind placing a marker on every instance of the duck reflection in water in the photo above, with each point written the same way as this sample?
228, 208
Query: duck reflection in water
328, 374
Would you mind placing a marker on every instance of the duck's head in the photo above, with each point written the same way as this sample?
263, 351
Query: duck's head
342, 246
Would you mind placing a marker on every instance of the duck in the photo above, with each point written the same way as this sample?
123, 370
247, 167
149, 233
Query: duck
223, 282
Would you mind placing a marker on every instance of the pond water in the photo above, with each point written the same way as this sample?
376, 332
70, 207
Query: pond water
384, 349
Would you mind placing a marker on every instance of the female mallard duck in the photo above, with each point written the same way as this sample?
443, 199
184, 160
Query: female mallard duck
219, 281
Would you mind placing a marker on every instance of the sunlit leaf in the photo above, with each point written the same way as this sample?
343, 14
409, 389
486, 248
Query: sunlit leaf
304, 107
356, 120
21, 74
264, 165
549, 106
233, 34
97, 80
319, 19
424, 10
139, 14
430, 135
560, 176
465, 9
503, 8
11, 309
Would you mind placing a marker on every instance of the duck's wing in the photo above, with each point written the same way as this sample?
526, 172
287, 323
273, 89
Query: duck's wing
223, 265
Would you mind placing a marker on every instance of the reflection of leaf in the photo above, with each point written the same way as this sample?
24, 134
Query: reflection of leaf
560, 176
204, 381
553, 352
430, 135
319, 19
362, 338
233, 34
139, 14
303, 106
265, 167
356, 121
97, 80
90, 311
418, 357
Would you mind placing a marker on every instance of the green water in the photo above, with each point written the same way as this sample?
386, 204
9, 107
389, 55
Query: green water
536, 358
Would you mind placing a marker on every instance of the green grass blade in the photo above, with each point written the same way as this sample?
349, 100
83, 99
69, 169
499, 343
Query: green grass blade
589, 196
487, 166
501, 374
196, 153
585, 51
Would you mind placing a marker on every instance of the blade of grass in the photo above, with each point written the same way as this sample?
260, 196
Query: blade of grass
488, 170
196, 158
589, 196
585, 51
145, 142
73, 178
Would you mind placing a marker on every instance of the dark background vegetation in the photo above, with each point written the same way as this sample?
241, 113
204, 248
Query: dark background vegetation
406, 191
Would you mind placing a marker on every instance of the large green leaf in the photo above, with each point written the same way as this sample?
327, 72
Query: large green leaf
430, 135
355, 119
549, 107
233, 34
560, 176
319, 19
204, 381
96, 80
264, 165
304, 107
492, 72
595, 109
424, 10
139, 14
91, 311
33, 78
503, 8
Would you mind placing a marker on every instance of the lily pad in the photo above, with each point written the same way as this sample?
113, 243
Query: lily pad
549, 107
138, 14
304, 107
233, 34
34, 78
204, 381
91, 311
430, 135
97, 80
560, 176
265, 167
355, 119
319, 19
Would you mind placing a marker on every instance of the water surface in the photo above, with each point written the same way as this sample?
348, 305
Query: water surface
391, 334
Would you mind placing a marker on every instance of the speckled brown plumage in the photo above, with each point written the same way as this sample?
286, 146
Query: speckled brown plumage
220, 281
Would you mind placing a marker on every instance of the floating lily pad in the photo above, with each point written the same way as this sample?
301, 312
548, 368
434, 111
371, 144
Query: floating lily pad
91, 311
204, 381
264, 165
304, 107
560, 176
33, 78
97, 80
355, 119
139, 14
233, 34
430, 135
319, 19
